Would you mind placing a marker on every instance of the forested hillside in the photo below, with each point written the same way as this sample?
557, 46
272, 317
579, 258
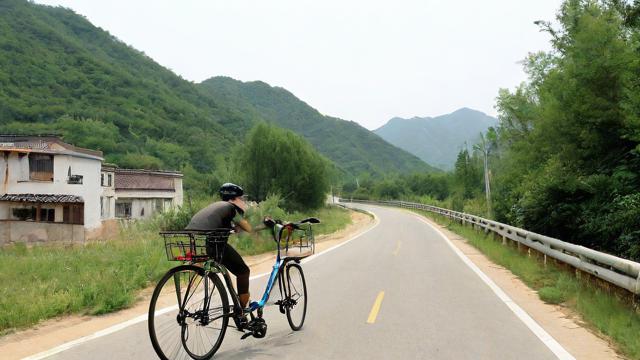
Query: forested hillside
353, 147
437, 140
59, 73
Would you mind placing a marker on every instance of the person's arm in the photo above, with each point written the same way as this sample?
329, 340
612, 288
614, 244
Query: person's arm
244, 225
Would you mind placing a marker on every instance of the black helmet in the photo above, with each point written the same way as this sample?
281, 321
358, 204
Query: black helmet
230, 191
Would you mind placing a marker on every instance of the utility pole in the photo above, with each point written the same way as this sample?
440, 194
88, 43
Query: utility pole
487, 178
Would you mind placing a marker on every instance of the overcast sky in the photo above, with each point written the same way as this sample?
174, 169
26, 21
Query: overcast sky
361, 60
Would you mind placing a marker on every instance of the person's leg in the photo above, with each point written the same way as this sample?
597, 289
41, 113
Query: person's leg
234, 263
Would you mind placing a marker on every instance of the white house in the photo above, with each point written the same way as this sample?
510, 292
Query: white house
53, 191
139, 194
49, 189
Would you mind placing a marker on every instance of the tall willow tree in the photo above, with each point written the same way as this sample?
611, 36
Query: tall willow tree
277, 161
570, 157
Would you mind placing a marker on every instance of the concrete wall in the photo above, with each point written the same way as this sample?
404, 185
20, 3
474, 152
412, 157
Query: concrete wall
89, 190
32, 232
145, 208
145, 199
108, 195
179, 197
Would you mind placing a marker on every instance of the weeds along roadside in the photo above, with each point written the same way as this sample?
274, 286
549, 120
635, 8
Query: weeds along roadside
599, 309
45, 281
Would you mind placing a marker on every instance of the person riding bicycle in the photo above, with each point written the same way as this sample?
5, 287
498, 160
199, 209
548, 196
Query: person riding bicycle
228, 214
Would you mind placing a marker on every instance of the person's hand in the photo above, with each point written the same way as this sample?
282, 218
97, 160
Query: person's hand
268, 221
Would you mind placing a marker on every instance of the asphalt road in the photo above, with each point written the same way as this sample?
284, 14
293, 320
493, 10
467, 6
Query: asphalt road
434, 307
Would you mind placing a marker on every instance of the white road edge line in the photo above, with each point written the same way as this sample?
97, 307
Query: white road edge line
138, 319
544, 336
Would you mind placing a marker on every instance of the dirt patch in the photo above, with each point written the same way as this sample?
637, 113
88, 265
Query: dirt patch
55, 332
560, 322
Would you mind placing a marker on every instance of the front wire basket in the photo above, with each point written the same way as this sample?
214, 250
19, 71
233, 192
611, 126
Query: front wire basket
297, 243
195, 246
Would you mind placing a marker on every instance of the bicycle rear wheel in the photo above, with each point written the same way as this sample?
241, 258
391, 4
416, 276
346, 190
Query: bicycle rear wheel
179, 326
296, 296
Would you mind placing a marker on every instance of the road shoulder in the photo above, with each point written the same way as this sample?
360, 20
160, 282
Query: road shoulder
62, 330
562, 324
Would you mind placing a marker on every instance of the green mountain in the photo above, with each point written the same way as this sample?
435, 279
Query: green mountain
350, 145
437, 140
59, 73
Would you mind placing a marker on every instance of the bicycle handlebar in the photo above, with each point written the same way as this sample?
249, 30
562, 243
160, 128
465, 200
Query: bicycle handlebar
270, 223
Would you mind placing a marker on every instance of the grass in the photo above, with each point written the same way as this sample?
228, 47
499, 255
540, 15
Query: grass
42, 282
600, 309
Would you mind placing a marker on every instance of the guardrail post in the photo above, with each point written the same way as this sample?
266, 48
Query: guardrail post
504, 240
545, 255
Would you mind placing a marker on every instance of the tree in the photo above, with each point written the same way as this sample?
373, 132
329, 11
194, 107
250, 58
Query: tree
570, 159
277, 161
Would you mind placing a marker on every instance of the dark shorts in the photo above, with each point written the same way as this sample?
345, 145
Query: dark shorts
233, 262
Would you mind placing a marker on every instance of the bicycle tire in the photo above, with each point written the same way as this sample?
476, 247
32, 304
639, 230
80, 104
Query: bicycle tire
170, 327
296, 297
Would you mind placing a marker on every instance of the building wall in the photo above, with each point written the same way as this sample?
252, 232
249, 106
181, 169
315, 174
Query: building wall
108, 195
89, 190
32, 232
144, 206
179, 197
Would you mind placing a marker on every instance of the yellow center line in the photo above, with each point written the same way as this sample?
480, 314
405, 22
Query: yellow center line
395, 252
376, 308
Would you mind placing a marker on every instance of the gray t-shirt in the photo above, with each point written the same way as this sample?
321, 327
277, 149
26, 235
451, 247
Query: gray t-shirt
218, 215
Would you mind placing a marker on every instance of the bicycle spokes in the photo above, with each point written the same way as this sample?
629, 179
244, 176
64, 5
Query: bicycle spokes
195, 325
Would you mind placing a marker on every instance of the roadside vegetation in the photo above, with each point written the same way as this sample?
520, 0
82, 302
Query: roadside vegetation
42, 282
601, 310
282, 172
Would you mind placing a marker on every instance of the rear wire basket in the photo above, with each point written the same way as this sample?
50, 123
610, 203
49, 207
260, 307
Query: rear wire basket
195, 246
297, 243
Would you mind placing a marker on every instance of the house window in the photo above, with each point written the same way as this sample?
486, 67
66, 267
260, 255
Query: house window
41, 167
108, 179
24, 213
158, 205
33, 213
48, 215
123, 209
102, 179
102, 207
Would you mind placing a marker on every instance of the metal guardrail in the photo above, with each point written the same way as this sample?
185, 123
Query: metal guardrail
617, 271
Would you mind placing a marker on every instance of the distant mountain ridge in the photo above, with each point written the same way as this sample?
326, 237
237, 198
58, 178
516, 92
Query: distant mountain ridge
437, 140
346, 142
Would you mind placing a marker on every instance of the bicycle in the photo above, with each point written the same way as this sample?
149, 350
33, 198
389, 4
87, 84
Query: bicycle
197, 324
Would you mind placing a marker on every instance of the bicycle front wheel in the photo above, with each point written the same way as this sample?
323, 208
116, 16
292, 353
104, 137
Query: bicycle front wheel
296, 296
183, 323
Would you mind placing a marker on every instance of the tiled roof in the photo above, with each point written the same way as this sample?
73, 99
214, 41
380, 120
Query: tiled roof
48, 144
42, 198
143, 181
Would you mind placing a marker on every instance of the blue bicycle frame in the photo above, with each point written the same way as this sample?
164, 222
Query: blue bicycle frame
277, 268
277, 231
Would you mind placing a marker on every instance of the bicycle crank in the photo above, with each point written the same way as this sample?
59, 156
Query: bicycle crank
256, 328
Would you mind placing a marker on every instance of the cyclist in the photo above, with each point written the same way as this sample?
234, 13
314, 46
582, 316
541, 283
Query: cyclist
227, 214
